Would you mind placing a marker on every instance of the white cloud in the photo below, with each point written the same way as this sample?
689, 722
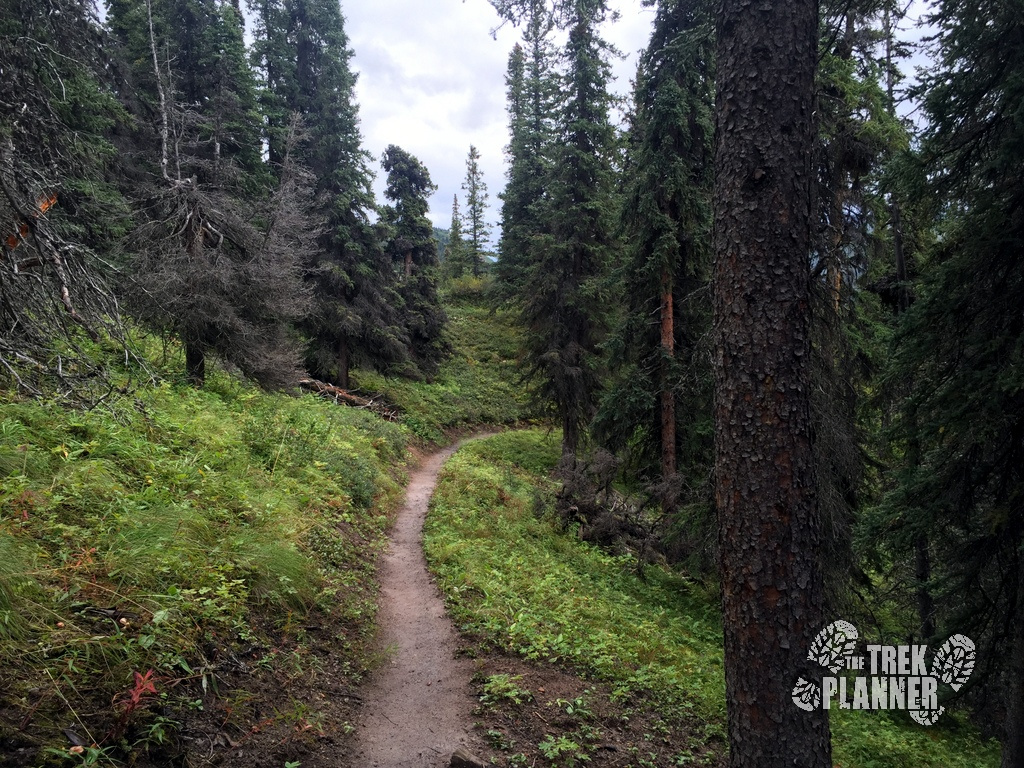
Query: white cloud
432, 80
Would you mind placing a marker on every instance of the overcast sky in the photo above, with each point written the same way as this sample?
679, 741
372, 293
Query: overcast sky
432, 81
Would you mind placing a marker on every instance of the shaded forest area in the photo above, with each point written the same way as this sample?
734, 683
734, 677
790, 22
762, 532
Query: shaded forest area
779, 326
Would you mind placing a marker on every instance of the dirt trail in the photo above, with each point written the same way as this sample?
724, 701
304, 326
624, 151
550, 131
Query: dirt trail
418, 705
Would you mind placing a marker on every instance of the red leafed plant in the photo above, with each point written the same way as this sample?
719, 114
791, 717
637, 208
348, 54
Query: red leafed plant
132, 700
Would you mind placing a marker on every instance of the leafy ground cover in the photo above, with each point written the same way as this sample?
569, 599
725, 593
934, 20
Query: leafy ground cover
646, 645
187, 572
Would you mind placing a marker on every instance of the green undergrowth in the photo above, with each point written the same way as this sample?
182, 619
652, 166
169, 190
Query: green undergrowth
147, 541
514, 579
510, 575
478, 384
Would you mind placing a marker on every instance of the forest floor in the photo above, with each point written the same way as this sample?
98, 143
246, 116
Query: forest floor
417, 706
438, 690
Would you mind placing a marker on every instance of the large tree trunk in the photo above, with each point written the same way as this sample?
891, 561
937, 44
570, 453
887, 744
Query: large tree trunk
772, 591
1013, 745
668, 397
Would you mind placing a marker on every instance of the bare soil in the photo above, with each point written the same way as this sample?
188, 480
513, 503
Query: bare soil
418, 705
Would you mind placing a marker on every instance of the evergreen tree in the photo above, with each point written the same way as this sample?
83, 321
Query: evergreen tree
857, 135
413, 248
476, 209
769, 537
200, 268
961, 344
665, 275
209, 89
303, 53
564, 310
58, 210
456, 256
530, 87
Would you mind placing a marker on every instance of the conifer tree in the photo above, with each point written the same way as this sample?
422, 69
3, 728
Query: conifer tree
666, 271
856, 137
58, 209
476, 209
456, 258
413, 249
304, 56
200, 268
564, 309
769, 533
209, 89
961, 344
530, 88
274, 61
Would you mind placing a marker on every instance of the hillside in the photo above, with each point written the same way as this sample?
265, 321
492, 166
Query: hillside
190, 573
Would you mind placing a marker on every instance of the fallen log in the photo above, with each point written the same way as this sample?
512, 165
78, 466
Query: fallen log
339, 395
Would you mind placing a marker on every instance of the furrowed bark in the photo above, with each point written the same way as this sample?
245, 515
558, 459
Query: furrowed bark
772, 591
668, 399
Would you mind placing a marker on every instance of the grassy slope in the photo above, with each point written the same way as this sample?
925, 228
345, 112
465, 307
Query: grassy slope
182, 536
232, 531
478, 384
510, 576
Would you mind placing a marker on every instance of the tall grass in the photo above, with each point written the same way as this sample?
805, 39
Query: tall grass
479, 384
146, 532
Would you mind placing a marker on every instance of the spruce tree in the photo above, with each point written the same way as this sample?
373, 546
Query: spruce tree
961, 344
209, 89
456, 257
413, 249
564, 309
665, 275
58, 209
303, 54
769, 536
857, 136
199, 267
272, 55
476, 209
530, 88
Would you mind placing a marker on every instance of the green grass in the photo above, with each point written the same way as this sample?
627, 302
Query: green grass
510, 576
478, 384
222, 517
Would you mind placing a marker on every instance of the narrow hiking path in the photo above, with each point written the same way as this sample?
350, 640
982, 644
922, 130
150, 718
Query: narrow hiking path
417, 706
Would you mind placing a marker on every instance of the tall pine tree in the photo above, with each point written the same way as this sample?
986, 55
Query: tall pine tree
476, 209
769, 535
530, 87
413, 249
665, 275
564, 307
200, 268
303, 54
456, 258
962, 344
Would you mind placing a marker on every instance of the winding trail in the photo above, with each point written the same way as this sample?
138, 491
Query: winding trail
418, 705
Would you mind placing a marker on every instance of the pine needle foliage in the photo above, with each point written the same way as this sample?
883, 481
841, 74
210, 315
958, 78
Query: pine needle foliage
564, 301
666, 223
413, 249
531, 92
